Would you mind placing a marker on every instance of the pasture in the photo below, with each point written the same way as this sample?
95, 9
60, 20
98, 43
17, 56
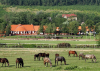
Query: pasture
73, 63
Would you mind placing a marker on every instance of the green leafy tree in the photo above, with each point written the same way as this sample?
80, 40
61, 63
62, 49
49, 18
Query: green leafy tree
83, 27
41, 29
73, 27
8, 29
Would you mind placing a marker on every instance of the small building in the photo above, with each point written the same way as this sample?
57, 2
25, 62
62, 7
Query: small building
70, 16
24, 29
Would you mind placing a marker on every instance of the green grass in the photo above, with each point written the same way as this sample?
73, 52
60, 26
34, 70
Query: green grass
47, 41
30, 65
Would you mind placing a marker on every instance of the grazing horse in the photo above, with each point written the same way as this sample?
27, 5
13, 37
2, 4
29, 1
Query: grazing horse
47, 55
19, 61
36, 56
4, 60
47, 60
42, 55
72, 52
56, 55
81, 55
60, 59
88, 56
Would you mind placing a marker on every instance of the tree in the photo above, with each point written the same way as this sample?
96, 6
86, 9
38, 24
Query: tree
8, 29
90, 24
97, 27
73, 27
83, 27
41, 29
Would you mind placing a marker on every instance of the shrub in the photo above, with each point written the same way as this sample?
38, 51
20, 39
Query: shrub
62, 45
29, 45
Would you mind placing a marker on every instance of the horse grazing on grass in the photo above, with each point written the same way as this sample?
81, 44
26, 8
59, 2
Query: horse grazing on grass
60, 59
88, 56
19, 61
4, 60
81, 55
47, 60
72, 52
47, 55
56, 55
36, 56
41, 55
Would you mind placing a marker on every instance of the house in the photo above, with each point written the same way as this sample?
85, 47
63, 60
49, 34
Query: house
24, 29
70, 16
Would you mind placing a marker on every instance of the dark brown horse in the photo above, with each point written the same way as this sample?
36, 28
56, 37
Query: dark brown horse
4, 60
43, 55
56, 55
36, 56
60, 59
72, 52
47, 60
19, 61
81, 55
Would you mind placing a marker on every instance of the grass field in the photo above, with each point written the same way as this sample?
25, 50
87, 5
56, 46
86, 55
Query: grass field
73, 63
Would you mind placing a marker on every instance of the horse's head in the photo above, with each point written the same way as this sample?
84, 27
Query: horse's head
65, 62
8, 64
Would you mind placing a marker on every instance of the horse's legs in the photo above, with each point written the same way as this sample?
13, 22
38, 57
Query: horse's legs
16, 64
92, 59
61, 63
5, 64
20, 65
85, 59
57, 62
47, 64
2, 64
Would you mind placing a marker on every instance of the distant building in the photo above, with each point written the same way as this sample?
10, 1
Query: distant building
70, 16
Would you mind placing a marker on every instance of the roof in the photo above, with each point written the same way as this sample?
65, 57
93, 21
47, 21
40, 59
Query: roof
20, 27
69, 15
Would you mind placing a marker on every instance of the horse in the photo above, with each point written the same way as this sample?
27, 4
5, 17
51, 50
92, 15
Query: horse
19, 61
56, 55
41, 55
60, 59
81, 55
88, 56
36, 56
4, 60
72, 52
47, 55
47, 60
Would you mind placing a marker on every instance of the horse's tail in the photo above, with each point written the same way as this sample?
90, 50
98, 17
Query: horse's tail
76, 53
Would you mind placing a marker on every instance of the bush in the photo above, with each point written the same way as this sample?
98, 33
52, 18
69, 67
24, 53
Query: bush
29, 45
63, 45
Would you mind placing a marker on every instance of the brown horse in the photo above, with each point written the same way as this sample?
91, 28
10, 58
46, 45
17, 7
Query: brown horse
60, 59
56, 55
81, 55
4, 60
43, 55
19, 61
88, 56
47, 60
36, 56
72, 52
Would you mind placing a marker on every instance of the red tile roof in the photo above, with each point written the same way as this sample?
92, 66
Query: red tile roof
69, 15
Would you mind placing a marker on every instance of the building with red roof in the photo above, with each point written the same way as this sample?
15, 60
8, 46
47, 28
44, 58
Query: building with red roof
70, 16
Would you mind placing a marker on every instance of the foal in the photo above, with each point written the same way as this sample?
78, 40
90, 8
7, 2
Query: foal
60, 59
4, 60
19, 61
47, 60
